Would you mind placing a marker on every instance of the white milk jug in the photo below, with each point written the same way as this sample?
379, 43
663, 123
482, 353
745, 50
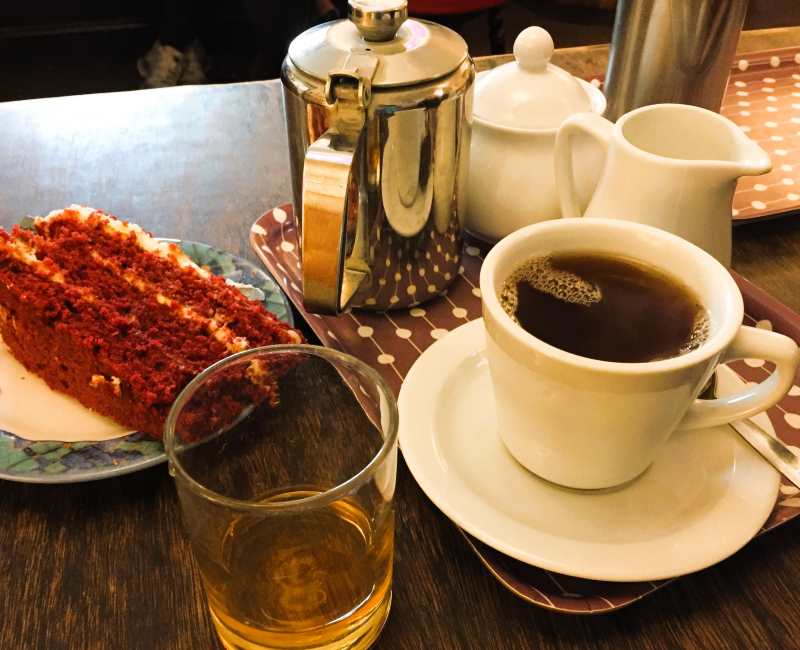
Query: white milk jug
671, 166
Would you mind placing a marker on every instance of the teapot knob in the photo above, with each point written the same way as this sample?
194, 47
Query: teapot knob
377, 20
533, 49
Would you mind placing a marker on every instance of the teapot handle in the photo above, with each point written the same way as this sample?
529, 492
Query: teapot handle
327, 174
590, 124
330, 197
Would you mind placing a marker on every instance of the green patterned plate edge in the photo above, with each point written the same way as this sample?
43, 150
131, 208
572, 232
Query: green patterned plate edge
26, 461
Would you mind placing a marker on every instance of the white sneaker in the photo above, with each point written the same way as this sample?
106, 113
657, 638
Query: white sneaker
162, 66
195, 64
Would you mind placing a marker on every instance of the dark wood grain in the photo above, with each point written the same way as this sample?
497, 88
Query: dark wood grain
106, 565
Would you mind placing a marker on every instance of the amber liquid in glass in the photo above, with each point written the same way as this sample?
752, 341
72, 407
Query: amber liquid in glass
315, 579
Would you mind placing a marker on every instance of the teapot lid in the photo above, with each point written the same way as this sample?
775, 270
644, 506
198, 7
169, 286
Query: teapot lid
404, 51
529, 92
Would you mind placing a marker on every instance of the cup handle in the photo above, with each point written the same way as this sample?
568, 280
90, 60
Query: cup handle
749, 343
590, 124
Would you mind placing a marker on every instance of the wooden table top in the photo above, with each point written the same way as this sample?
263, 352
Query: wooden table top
107, 565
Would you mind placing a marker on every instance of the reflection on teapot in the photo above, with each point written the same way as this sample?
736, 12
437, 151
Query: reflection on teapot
671, 166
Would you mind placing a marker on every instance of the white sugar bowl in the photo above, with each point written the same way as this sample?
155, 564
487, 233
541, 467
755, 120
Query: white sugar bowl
517, 110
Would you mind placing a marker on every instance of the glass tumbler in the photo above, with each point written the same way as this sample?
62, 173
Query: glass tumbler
285, 460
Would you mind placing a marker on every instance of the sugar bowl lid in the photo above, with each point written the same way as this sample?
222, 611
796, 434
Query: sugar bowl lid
529, 92
404, 51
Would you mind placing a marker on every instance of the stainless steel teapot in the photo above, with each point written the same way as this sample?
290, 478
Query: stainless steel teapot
378, 119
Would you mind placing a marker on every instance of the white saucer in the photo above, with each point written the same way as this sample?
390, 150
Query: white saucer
704, 498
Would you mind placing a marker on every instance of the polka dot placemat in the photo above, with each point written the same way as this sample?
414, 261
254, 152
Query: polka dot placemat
391, 342
763, 98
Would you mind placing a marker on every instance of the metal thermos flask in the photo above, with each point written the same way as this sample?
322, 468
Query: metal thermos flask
677, 51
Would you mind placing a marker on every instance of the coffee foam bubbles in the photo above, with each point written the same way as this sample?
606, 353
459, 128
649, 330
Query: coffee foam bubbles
700, 332
540, 274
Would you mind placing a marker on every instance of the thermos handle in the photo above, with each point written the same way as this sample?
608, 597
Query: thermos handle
330, 195
590, 124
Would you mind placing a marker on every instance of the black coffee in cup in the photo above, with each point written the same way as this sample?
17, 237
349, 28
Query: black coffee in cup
605, 307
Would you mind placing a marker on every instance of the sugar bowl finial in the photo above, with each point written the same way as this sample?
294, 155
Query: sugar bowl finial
533, 49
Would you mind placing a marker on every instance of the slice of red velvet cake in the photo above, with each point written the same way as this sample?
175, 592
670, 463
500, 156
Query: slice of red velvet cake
122, 322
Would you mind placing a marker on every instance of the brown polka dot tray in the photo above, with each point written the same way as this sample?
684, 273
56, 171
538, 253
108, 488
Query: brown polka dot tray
392, 341
763, 98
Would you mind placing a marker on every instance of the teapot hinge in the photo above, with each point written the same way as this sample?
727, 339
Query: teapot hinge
350, 87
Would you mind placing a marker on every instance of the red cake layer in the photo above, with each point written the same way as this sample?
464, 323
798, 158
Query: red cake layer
105, 313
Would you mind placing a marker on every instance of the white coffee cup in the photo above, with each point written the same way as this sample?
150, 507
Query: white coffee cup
590, 424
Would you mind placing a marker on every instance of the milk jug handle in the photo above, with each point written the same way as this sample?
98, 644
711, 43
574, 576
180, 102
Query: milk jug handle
590, 124
330, 198
749, 343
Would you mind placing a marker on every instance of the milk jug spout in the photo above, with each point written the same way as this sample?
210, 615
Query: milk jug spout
752, 159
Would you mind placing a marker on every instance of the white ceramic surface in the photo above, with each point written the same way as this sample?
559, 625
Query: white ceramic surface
591, 424
706, 495
530, 92
667, 165
517, 111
